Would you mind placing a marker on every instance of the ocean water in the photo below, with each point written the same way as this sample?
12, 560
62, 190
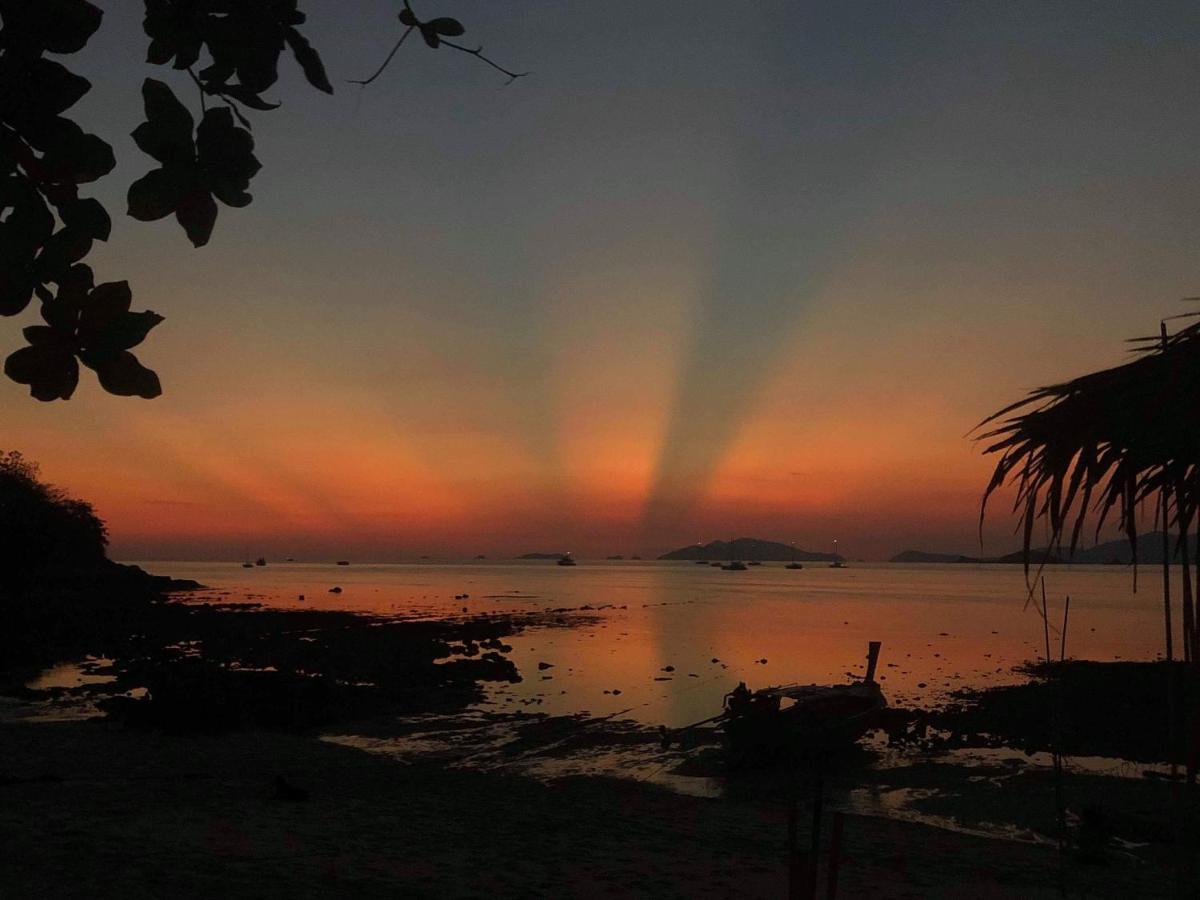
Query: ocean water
664, 641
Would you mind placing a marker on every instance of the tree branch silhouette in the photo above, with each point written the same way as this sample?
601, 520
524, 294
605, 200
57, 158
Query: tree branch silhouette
230, 51
478, 52
379, 71
435, 33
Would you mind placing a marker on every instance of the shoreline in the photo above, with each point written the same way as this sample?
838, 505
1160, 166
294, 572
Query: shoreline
174, 792
91, 808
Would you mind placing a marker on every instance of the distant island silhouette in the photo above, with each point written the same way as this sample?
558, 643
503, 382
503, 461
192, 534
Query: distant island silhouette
1118, 552
750, 549
1016, 557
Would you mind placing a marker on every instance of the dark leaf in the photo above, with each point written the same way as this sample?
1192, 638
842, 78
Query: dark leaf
159, 53
30, 223
74, 22
43, 335
65, 248
158, 194
124, 332
16, 290
50, 371
310, 61
176, 30
89, 216
446, 26
61, 312
217, 75
227, 158
106, 303
49, 88
246, 43
248, 97
259, 73
197, 214
61, 315
70, 155
430, 36
230, 194
122, 374
77, 282
59, 26
89, 158
407, 18
166, 135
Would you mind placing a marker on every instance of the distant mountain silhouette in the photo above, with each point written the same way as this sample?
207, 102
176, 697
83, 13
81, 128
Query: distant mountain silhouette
1149, 552
749, 549
919, 556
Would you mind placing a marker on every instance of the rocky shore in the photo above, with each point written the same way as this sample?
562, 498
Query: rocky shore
208, 773
92, 809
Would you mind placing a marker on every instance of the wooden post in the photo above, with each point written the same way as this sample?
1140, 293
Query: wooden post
872, 659
793, 857
1164, 501
1046, 623
1193, 763
835, 857
1184, 518
1062, 646
814, 855
1056, 731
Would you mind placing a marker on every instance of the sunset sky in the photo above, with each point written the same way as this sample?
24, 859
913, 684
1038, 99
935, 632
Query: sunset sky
712, 269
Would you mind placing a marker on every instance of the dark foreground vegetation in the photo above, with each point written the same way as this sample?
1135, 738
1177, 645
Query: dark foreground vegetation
203, 667
102, 811
1123, 710
203, 775
186, 667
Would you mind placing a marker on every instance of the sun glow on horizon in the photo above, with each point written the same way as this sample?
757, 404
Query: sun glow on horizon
623, 302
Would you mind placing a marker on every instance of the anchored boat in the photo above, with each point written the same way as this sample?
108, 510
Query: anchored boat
778, 723
734, 565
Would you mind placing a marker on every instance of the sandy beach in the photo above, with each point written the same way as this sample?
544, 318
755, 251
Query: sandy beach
91, 809
431, 781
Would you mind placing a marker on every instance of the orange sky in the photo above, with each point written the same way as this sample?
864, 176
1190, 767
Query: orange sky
625, 304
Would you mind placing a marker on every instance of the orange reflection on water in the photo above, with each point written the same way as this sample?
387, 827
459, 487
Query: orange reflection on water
942, 627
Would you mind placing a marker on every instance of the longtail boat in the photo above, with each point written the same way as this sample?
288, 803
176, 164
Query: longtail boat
778, 723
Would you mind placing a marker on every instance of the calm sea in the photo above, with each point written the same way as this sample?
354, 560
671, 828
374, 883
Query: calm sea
670, 638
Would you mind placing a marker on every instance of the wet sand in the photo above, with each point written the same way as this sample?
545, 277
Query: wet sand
91, 809
176, 795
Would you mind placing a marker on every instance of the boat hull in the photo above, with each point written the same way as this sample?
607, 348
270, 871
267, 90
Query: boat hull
823, 722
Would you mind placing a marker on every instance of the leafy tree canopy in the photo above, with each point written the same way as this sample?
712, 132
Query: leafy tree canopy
230, 50
45, 530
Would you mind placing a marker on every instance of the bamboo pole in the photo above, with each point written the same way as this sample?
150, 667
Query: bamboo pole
1062, 647
1195, 638
1172, 715
1060, 810
1164, 501
1183, 514
835, 857
1190, 720
1046, 620
815, 852
793, 856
